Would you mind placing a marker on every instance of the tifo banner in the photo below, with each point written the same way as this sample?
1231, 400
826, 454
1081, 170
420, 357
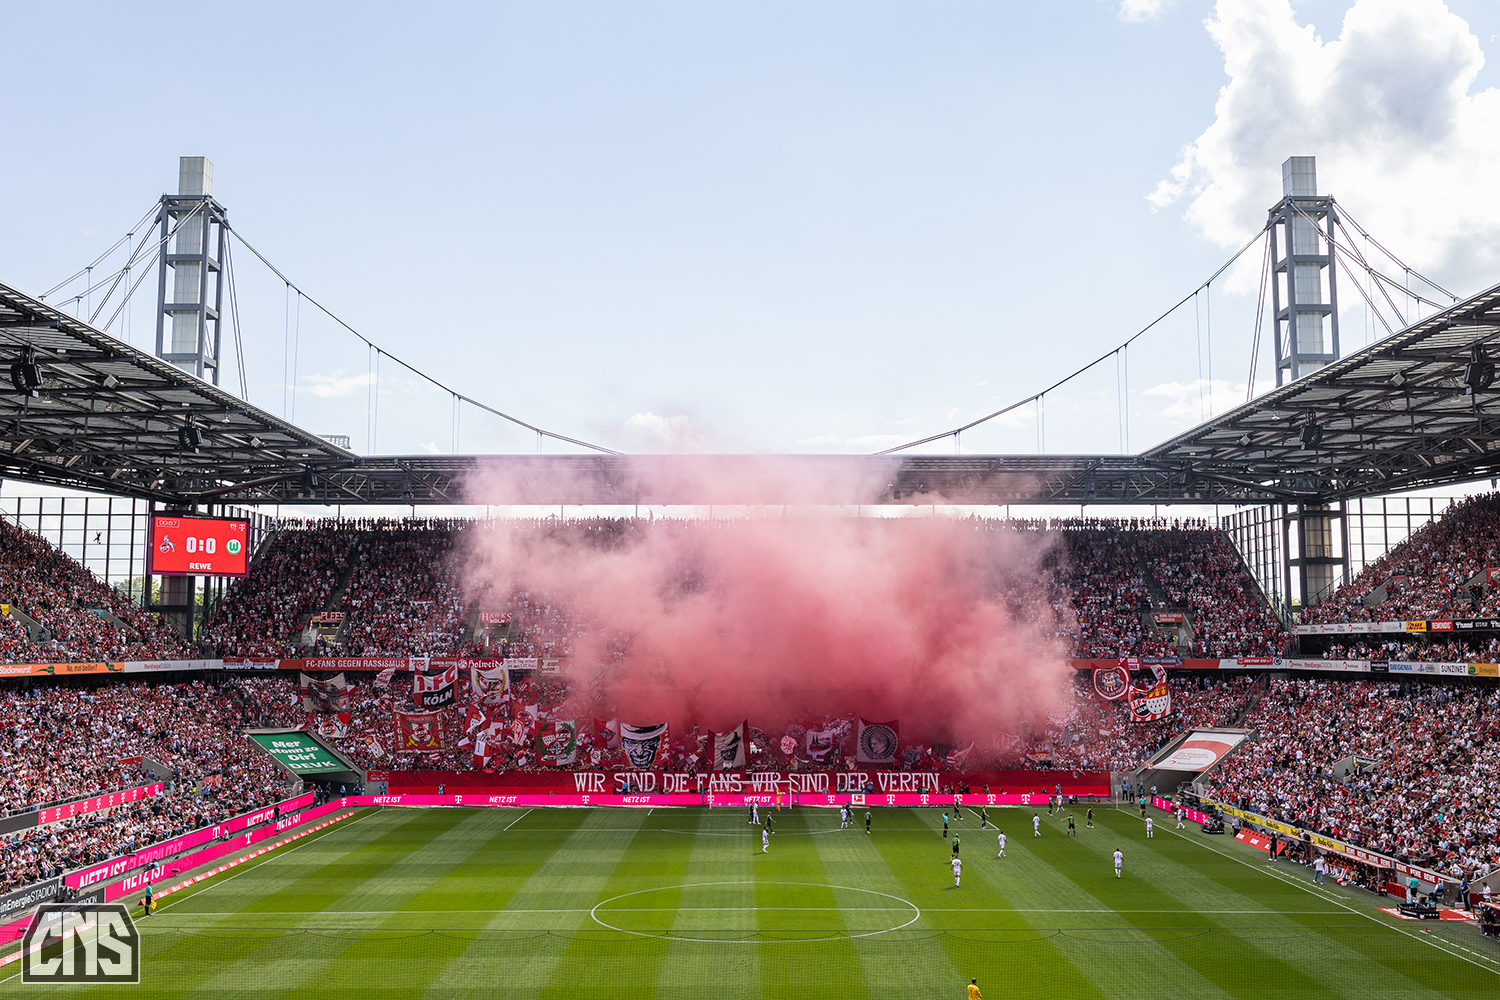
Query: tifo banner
1112, 683
436, 687
522, 663
1151, 703
331, 695
488, 682
1083, 783
494, 617
877, 743
1201, 751
729, 749
643, 744
820, 743
419, 732
335, 727
607, 734
556, 741
374, 664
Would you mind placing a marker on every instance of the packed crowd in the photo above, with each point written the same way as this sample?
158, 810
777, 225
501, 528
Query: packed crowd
264, 614
1436, 573
79, 617
397, 585
59, 743
1411, 770
401, 597
1199, 570
1407, 648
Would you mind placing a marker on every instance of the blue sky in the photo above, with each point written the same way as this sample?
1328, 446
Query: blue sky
752, 227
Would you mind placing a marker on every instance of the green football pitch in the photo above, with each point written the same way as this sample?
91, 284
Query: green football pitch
683, 903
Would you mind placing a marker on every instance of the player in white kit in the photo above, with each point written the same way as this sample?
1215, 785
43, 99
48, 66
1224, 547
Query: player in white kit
958, 868
1036, 825
765, 840
1150, 827
755, 814
1181, 813
1001, 839
1119, 862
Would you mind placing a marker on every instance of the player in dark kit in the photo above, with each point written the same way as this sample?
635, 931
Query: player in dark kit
955, 847
1072, 827
867, 821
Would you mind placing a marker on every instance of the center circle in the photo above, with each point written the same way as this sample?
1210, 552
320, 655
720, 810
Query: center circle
900, 905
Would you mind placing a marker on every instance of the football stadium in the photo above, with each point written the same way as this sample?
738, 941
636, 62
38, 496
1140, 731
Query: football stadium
283, 716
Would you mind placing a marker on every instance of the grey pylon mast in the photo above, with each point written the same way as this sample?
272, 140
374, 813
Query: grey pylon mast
190, 285
1304, 291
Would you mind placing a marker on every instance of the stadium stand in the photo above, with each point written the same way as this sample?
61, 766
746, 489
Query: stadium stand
263, 614
398, 587
82, 618
66, 741
1436, 573
1432, 794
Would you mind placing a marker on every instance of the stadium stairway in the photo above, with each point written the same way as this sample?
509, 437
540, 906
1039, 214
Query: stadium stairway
34, 629
336, 598
1252, 698
113, 619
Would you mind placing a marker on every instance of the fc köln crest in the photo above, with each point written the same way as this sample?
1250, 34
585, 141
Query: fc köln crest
1150, 704
1112, 683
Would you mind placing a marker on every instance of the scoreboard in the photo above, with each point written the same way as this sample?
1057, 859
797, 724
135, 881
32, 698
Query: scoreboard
198, 546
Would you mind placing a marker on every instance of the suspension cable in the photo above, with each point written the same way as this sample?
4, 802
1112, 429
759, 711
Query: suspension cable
416, 371
1099, 360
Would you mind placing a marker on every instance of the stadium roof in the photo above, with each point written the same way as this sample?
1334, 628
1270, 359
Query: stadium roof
111, 418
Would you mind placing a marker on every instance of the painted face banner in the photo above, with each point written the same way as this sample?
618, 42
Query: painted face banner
729, 749
877, 742
643, 744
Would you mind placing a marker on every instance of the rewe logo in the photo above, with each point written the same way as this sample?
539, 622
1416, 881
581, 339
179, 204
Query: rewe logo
81, 943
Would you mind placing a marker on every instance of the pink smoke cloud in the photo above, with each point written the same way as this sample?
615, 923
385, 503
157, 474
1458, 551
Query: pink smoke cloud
929, 621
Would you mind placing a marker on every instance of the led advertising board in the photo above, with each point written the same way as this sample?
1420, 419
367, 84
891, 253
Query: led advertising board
198, 546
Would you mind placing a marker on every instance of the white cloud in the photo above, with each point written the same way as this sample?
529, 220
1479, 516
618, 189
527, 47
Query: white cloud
1190, 403
1141, 10
1386, 108
431, 448
337, 385
671, 435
